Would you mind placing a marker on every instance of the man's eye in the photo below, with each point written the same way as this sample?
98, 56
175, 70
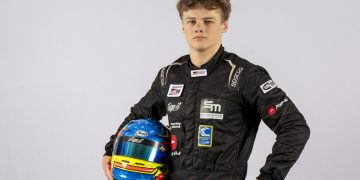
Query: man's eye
192, 22
208, 22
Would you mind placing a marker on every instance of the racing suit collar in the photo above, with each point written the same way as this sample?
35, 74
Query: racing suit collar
210, 65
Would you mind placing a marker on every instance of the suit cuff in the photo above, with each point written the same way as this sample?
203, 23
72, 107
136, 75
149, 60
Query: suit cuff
107, 153
264, 176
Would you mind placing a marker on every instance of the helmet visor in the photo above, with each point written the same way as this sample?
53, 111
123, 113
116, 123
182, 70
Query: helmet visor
143, 149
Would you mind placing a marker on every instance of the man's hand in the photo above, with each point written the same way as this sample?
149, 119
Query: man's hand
106, 164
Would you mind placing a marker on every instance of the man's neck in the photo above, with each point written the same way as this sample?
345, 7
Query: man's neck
199, 58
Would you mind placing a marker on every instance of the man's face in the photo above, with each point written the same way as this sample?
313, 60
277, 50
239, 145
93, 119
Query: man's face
203, 28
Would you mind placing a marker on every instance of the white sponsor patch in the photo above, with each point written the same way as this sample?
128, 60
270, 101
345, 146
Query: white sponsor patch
211, 109
211, 116
176, 153
198, 73
174, 107
175, 125
175, 90
268, 86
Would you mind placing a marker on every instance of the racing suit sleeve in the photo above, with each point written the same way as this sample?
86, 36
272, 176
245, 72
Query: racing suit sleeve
280, 114
151, 105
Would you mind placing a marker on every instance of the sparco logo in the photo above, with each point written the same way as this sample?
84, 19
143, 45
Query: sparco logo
213, 107
234, 81
174, 107
141, 133
162, 76
135, 140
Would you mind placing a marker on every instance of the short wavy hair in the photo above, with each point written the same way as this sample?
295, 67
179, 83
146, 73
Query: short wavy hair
223, 5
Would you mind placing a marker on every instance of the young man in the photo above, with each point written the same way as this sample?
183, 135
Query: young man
215, 101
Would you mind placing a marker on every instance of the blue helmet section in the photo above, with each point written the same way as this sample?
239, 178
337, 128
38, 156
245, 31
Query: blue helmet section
146, 128
142, 139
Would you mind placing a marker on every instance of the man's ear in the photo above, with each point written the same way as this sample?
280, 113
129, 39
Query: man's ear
225, 26
182, 26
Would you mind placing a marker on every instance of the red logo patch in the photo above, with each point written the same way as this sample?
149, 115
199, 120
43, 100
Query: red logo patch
173, 142
271, 111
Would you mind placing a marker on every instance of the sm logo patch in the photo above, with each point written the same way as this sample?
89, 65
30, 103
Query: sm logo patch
212, 109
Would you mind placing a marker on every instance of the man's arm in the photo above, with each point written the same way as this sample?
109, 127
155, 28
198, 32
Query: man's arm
280, 114
151, 105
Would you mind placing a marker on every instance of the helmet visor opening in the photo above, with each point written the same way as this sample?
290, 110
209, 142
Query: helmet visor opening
143, 149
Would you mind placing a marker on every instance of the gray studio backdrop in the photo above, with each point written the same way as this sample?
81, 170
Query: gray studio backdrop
71, 70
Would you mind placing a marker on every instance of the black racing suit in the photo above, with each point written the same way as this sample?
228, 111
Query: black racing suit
214, 113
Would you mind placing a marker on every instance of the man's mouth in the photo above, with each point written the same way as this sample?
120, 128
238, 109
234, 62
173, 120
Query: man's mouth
199, 37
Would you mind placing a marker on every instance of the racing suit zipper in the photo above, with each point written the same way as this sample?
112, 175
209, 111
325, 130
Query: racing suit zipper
197, 82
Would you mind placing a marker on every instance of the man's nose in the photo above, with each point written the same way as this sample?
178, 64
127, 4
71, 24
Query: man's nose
198, 27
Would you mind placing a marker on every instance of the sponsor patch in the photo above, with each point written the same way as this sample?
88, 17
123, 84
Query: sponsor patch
282, 103
268, 86
173, 142
175, 125
212, 109
198, 73
205, 134
174, 107
176, 153
175, 90
273, 109
235, 79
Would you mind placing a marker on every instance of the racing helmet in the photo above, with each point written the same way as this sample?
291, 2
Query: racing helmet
142, 151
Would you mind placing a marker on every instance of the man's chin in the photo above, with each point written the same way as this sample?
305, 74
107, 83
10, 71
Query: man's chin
200, 48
